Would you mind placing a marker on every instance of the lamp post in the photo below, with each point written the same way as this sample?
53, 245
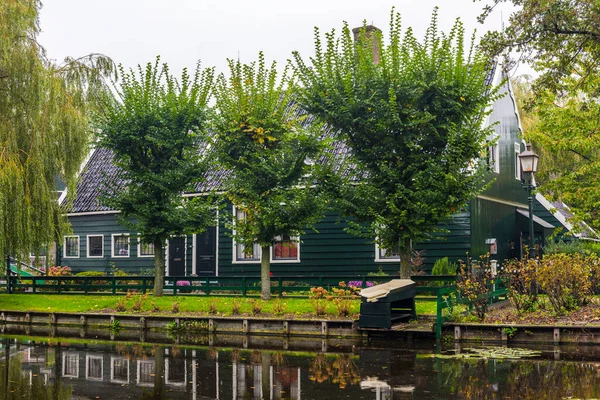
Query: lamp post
529, 164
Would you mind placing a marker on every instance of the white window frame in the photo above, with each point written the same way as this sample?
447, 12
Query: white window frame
378, 257
139, 250
87, 242
112, 246
65, 246
517, 161
295, 239
235, 245
64, 365
138, 379
112, 370
87, 368
494, 157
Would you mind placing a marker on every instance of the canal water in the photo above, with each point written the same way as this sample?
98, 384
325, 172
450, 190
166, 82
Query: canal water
38, 368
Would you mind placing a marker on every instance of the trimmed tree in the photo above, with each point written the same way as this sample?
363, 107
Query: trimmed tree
154, 125
44, 129
266, 144
412, 114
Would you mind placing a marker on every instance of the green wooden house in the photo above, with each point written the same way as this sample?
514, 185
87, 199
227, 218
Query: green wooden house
496, 221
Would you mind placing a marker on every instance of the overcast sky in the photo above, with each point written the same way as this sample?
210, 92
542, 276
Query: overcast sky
184, 31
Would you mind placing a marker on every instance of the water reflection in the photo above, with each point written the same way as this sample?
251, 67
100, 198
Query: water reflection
64, 369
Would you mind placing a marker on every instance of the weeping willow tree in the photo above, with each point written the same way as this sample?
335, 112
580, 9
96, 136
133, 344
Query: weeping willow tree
44, 128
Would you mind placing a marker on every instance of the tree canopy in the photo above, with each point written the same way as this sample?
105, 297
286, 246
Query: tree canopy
560, 39
268, 147
156, 127
411, 113
44, 128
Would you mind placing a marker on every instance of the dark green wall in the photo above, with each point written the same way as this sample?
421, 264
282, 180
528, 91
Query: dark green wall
107, 225
326, 250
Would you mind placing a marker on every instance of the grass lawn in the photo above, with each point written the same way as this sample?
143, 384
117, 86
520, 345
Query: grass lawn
196, 305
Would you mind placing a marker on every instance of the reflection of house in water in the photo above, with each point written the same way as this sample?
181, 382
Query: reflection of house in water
285, 383
119, 370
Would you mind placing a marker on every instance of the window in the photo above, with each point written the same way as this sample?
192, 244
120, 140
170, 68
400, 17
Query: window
119, 370
94, 368
517, 162
145, 373
247, 253
145, 249
70, 367
244, 253
95, 246
120, 245
286, 248
71, 247
383, 254
493, 158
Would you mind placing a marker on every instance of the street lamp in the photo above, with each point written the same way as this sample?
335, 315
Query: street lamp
529, 164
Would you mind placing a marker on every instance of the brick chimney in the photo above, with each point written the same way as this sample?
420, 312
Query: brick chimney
370, 32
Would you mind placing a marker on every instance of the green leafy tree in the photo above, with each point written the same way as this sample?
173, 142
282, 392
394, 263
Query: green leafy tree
411, 113
155, 126
267, 144
560, 39
44, 128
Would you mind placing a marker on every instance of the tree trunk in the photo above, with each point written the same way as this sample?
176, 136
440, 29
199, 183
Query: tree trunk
159, 267
265, 273
405, 256
159, 373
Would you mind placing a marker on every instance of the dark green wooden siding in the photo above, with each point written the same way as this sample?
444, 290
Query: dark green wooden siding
107, 225
328, 249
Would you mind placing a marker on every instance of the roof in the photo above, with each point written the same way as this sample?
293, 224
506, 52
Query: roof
100, 169
536, 219
563, 214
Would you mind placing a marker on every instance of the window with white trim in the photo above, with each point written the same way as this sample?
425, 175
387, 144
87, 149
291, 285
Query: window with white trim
517, 161
70, 367
120, 245
494, 158
95, 246
145, 249
247, 253
119, 370
243, 253
383, 254
286, 248
94, 368
71, 247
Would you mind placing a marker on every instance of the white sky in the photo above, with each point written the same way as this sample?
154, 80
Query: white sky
183, 31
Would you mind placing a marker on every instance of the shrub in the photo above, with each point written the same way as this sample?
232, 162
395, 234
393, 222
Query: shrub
343, 297
212, 306
59, 271
91, 273
236, 304
417, 260
175, 307
474, 282
443, 266
358, 284
520, 279
138, 302
121, 304
565, 278
278, 307
318, 296
147, 272
257, 306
